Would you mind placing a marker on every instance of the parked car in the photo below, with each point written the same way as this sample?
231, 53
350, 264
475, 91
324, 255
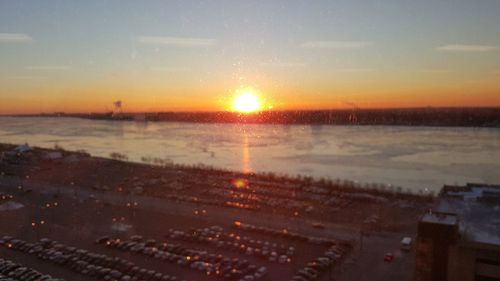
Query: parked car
388, 257
406, 244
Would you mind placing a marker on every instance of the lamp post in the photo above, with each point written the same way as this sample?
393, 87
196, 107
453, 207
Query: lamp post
361, 238
36, 225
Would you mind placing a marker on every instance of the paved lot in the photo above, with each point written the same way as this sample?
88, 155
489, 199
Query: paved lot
83, 214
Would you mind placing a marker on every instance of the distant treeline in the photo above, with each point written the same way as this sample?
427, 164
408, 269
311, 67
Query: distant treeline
469, 117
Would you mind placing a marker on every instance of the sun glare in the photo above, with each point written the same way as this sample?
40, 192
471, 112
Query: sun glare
246, 102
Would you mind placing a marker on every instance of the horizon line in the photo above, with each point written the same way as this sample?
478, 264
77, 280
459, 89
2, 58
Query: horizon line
257, 112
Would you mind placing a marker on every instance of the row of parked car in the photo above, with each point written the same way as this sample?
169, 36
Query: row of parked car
5, 197
216, 236
255, 196
99, 266
313, 270
284, 233
209, 264
248, 199
273, 195
11, 271
209, 201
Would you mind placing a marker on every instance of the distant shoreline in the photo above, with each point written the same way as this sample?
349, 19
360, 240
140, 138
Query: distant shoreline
439, 117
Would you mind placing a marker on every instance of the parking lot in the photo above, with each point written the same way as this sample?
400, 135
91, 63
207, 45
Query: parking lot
80, 232
195, 246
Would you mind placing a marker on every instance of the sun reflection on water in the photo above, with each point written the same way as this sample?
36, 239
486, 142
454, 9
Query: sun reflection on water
246, 154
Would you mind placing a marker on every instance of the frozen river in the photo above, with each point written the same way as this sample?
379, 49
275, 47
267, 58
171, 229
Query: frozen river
410, 157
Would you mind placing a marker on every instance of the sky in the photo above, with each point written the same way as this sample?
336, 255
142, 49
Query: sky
187, 55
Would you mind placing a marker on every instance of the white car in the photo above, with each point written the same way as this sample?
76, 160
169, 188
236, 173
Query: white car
283, 259
260, 272
249, 251
247, 278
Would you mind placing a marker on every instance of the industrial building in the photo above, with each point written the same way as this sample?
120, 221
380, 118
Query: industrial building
459, 239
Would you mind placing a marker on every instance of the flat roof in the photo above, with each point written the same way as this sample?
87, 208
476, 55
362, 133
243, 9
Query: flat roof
440, 218
477, 208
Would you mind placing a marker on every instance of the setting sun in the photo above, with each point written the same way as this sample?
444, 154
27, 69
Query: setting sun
246, 102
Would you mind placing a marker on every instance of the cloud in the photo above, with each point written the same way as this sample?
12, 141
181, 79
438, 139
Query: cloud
48, 67
283, 64
354, 70
35, 78
496, 72
437, 71
467, 48
335, 45
177, 41
171, 69
15, 38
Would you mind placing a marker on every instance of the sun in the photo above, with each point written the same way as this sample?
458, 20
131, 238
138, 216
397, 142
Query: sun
247, 101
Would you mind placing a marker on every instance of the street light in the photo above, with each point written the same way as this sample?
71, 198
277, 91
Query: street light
35, 225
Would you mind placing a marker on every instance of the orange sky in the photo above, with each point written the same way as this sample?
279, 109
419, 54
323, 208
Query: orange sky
95, 101
187, 56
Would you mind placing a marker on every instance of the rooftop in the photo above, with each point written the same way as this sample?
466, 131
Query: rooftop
440, 218
477, 207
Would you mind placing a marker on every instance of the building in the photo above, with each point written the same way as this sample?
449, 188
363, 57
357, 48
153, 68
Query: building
459, 239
